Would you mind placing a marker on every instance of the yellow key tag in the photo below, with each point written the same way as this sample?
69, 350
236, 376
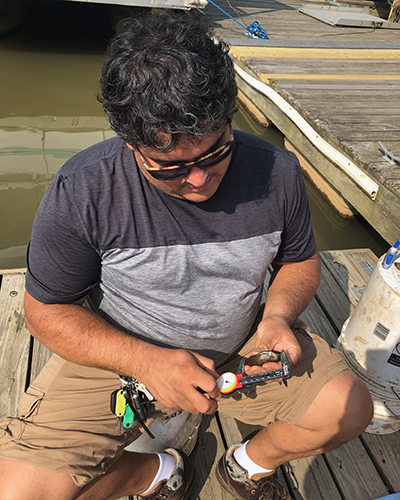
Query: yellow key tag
120, 404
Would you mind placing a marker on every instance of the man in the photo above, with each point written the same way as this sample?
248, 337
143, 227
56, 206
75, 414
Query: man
147, 259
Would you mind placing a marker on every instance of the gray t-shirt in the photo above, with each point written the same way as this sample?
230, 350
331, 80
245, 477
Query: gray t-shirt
173, 272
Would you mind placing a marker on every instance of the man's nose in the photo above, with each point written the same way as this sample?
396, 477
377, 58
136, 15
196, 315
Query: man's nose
196, 176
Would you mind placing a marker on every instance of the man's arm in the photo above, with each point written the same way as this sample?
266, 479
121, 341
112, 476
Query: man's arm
292, 287
81, 336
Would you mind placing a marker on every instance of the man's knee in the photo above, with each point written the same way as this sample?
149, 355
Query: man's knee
341, 411
350, 405
358, 405
21, 481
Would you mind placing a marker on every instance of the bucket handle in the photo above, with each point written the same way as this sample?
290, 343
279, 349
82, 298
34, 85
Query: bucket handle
387, 407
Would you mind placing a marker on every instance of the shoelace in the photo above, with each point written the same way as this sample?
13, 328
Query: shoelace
268, 490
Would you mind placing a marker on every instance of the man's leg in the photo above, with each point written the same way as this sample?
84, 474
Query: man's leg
22, 481
66, 443
341, 412
131, 474
323, 406
120, 480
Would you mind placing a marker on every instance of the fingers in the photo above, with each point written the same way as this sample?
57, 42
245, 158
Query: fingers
266, 367
211, 389
206, 364
275, 334
190, 400
183, 373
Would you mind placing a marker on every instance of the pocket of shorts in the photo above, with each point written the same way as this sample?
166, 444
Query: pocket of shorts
299, 327
29, 404
4, 423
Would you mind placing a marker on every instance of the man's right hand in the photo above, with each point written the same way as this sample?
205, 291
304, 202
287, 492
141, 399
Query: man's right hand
182, 380
173, 376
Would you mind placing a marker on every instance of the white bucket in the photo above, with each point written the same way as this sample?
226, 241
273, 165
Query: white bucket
370, 342
179, 431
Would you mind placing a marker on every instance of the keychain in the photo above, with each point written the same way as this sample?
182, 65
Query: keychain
130, 402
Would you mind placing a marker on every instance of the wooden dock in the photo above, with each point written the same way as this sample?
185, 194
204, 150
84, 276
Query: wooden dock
334, 92
363, 469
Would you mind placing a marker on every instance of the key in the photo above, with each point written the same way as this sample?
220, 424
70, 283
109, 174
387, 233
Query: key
119, 425
133, 398
137, 401
127, 380
128, 418
142, 388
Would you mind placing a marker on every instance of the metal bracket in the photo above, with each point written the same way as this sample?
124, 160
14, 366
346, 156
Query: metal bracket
359, 290
388, 155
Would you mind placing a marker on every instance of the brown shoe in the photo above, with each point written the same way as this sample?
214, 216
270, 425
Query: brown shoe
179, 484
236, 481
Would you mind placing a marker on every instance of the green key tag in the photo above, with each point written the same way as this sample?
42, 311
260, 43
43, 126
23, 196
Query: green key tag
129, 417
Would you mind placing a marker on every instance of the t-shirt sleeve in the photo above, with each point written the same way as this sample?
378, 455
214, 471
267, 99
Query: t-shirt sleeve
297, 240
63, 264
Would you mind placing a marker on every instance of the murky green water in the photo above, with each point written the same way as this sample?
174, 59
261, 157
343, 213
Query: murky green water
332, 231
48, 112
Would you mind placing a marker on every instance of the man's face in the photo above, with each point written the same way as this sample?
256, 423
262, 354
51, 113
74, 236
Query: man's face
199, 184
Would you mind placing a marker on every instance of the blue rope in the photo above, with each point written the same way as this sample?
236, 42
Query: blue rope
254, 30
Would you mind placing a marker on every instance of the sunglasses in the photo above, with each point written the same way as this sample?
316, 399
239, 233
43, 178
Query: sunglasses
183, 169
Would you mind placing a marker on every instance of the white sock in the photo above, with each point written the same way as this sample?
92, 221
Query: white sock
165, 470
243, 459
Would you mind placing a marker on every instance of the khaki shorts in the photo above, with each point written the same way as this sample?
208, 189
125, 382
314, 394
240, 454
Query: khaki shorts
65, 422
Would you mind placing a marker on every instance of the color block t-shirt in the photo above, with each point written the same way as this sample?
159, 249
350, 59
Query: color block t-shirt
173, 272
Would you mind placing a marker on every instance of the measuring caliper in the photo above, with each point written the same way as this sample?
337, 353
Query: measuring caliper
229, 381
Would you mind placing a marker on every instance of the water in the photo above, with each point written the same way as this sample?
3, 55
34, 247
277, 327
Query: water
48, 112
331, 230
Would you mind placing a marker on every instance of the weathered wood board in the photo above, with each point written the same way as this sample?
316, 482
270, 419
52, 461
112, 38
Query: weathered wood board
14, 343
283, 22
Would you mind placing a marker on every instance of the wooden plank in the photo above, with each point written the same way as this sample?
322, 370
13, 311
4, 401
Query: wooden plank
208, 450
231, 431
19, 270
270, 76
355, 473
335, 198
315, 318
283, 23
362, 95
14, 343
368, 120
253, 110
350, 270
40, 355
309, 53
385, 450
310, 479
332, 298
322, 66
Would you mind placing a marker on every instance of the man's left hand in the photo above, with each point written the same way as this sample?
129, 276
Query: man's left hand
274, 334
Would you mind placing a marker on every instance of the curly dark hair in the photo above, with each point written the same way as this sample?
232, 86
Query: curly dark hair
165, 77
